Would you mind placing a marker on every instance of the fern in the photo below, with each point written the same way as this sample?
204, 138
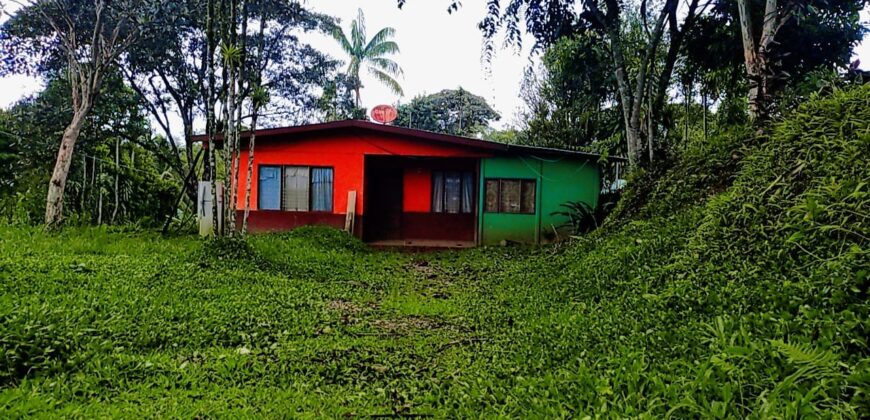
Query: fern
805, 354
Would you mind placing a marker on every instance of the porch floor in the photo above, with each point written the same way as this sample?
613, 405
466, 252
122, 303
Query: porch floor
423, 243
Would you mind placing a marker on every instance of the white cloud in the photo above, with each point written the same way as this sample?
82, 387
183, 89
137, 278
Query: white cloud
438, 50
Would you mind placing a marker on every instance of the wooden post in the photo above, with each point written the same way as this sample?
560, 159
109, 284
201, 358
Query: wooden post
350, 216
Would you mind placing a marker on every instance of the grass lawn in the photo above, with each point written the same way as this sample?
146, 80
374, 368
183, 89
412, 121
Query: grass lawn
311, 323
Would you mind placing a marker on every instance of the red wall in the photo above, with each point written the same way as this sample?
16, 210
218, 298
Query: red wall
417, 193
345, 152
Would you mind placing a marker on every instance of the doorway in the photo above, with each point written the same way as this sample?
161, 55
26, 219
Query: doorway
383, 202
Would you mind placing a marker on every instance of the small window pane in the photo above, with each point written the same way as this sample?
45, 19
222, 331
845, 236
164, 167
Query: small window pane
453, 192
492, 195
527, 204
509, 202
296, 188
269, 189
321, 189
467, 191
437, 192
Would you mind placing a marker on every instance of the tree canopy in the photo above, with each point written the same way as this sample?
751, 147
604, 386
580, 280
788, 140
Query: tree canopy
450, 111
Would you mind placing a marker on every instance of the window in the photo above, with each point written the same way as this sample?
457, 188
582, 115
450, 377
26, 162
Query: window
452, 192
295, 188
510, 196
321, 189
270, 188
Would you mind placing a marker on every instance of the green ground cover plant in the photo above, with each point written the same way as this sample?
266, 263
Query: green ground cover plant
741, 293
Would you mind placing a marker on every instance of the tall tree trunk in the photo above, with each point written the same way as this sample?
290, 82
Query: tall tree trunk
256, 99
688, 95
117, 179
54, 200
210, 170
248, 181
84, 182
756, 55
100, 200
677, 36
239, 78
704, 100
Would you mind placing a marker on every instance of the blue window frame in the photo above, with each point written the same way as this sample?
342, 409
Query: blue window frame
269, 189
295, 188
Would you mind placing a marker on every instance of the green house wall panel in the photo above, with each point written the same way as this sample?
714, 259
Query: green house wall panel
496, 227
566, 180
560, 180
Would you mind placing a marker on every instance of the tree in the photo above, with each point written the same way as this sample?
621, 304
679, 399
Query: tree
756, 49
172, 70
167, 71
90, 36
569, 98
550, 20
451, 111
114, 157
370, 53
337, 101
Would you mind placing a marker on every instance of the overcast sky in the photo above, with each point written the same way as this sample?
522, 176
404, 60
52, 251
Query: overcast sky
438, 51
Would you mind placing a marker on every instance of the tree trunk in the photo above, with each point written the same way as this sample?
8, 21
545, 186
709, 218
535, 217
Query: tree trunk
54, 200
632, 100
84, 182
756, 55
117, 179
248, 181
100, 200
210, 170
704, 100
688, 95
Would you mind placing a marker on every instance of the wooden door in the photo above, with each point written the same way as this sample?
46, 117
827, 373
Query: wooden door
383, 196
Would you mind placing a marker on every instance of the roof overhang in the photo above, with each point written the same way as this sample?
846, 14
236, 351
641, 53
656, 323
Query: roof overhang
439, 138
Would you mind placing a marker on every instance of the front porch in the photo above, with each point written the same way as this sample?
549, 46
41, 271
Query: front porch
420, 201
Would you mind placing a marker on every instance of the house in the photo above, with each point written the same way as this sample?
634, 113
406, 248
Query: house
411, 187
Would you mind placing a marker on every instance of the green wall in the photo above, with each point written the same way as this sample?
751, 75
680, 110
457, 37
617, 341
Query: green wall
559, 180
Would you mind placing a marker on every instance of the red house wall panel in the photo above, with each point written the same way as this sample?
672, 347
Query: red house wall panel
439, 226
417, 194
345, 153
279, 221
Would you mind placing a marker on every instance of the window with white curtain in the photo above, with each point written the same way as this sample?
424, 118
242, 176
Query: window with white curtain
295, 188
452, 192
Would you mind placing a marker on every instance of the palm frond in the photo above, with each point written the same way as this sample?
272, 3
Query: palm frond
382, 36
339, 36
358, 31
387, 80
382, 49
386, 65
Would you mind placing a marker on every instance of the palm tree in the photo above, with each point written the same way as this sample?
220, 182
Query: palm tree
371, 54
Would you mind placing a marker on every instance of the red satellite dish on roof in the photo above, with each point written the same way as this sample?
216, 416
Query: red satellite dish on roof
384, 114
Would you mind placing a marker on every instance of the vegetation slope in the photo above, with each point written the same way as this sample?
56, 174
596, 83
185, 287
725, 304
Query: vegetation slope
734, 287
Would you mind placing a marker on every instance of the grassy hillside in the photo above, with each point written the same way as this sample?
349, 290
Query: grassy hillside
734, 288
